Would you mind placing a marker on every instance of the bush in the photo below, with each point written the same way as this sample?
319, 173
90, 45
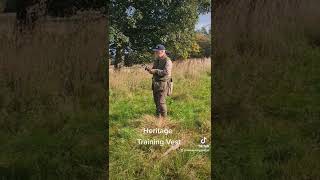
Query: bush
137, 58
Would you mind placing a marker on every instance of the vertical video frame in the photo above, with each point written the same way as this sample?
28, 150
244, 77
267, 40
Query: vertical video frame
160, 89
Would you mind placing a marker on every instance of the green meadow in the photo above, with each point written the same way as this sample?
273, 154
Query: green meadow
131, 109
267, 98
52, 101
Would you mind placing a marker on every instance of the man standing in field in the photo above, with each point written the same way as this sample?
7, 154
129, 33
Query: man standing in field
161, 71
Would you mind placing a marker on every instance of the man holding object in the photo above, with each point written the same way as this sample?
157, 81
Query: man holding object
161, 71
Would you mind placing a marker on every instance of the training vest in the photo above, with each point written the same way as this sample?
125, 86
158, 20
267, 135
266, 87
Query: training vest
164, 66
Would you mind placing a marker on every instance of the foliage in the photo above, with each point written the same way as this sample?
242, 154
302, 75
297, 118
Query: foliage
135, 57
68, 7
147, 23
203, 44
2, 5
9, 5
60, 7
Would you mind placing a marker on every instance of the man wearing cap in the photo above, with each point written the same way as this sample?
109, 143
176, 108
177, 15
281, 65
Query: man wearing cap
161, 71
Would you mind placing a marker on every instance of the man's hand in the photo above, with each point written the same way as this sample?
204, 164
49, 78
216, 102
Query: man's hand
152, 71
147, 68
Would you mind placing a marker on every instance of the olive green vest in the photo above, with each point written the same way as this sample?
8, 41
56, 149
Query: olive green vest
161, 64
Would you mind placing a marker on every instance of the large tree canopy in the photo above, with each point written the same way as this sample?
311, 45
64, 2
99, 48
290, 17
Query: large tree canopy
56, 7
28, 11
68, 7
139, 25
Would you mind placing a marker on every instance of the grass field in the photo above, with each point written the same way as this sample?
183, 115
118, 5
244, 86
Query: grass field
131, 109
52, 101
267, 98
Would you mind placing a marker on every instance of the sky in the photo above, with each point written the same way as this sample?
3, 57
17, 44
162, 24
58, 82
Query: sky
204, 20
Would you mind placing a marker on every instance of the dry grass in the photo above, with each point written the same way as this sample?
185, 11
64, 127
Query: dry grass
52, 63
256, 48
52, 93
152, 122
266, 92
129, 79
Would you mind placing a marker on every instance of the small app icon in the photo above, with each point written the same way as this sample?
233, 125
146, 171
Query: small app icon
203, 140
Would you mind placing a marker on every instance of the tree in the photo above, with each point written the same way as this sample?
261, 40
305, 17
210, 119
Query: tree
28, 11
203, 41
203, 30
63, 8
2, 5
9, 5
140, 25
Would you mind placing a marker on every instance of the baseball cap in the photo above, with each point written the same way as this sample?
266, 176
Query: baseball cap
159, 47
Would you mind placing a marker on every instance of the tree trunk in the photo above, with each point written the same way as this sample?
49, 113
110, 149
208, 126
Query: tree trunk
118, 57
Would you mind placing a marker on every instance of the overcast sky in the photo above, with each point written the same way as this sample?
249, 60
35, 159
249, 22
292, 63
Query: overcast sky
204, 20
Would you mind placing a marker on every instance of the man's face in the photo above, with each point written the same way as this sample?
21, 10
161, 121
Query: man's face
159, 54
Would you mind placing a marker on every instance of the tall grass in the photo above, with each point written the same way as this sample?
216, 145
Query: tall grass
131, 109
52, 100
266, 89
